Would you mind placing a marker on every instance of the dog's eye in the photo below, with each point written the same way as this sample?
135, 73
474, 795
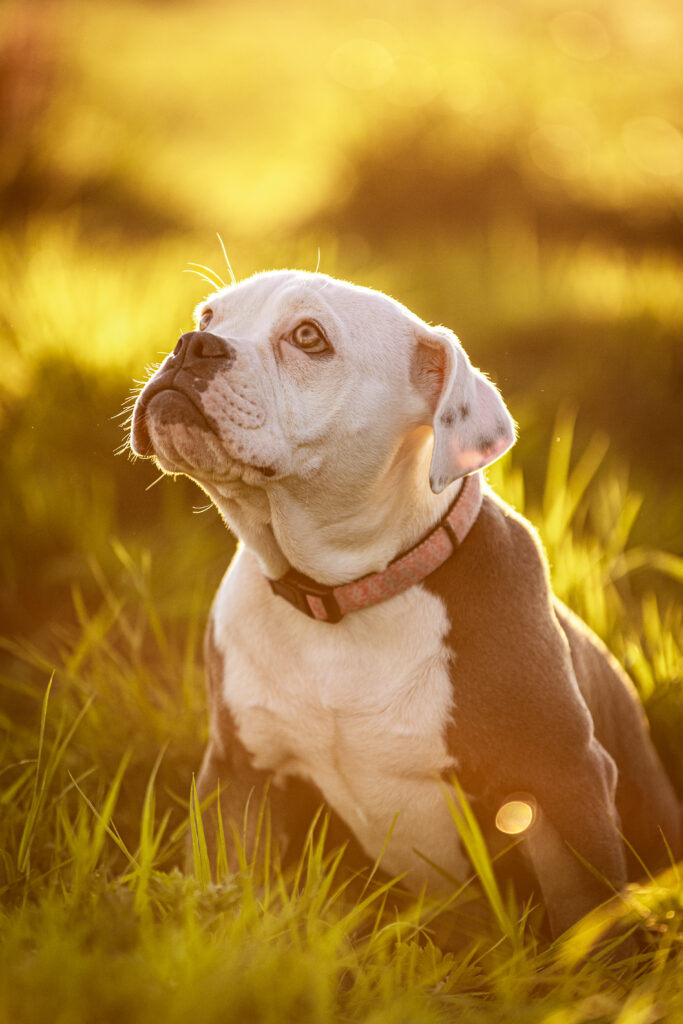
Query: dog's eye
308, 337
205, 319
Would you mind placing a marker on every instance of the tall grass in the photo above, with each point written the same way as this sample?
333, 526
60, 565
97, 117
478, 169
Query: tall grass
97, 801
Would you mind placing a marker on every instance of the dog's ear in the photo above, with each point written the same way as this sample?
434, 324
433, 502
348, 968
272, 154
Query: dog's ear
472, 427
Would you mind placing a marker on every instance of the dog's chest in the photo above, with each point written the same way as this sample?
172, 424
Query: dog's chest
360, 708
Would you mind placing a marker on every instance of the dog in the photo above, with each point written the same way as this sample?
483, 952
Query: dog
387, 623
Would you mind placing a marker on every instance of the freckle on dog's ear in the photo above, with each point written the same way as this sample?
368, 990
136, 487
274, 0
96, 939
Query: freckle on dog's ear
472, 426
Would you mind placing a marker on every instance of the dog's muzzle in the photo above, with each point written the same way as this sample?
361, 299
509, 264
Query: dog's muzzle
176, 386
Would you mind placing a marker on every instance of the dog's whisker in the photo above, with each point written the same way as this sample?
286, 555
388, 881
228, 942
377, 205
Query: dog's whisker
317, 266
125, 447
204, 277
155, 482
150, 370
217, 279
230, 270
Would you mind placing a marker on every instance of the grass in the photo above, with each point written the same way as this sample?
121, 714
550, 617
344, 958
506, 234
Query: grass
95, 772
99, 924
103, 716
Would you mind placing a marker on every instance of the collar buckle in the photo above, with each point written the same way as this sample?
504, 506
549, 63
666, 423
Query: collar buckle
296, 593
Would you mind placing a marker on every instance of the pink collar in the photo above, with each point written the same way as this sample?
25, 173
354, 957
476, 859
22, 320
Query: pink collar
330, 604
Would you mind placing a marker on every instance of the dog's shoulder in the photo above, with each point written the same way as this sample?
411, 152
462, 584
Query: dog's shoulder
498, 598
500, 572
514, 689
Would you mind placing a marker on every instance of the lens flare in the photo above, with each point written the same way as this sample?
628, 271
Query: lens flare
515, 816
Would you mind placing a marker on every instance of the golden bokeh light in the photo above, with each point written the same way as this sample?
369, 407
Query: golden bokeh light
516, 816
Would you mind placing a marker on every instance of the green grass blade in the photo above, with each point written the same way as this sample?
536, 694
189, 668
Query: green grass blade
200, 853
475, 845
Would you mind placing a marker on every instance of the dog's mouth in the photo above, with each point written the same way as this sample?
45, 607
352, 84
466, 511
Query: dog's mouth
168, 405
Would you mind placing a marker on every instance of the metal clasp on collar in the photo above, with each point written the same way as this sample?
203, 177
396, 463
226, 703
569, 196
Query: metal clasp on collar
295, 593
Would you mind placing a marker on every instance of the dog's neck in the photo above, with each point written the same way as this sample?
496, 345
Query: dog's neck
333, 532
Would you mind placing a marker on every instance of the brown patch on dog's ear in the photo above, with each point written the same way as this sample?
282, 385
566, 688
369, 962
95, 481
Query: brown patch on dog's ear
472, 427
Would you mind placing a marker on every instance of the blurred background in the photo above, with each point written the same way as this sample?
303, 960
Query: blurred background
513, 170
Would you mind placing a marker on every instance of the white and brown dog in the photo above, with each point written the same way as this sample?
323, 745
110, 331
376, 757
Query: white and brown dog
387, 622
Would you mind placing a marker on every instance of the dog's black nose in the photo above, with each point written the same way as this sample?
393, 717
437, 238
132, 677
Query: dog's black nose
202, 345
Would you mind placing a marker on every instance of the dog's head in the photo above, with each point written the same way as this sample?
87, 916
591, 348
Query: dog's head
289, 374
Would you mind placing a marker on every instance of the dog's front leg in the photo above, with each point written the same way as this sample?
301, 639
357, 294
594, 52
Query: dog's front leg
242, 792
574, 845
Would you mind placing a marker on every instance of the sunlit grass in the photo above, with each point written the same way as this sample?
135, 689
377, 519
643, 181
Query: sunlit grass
95, 304
96, 794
